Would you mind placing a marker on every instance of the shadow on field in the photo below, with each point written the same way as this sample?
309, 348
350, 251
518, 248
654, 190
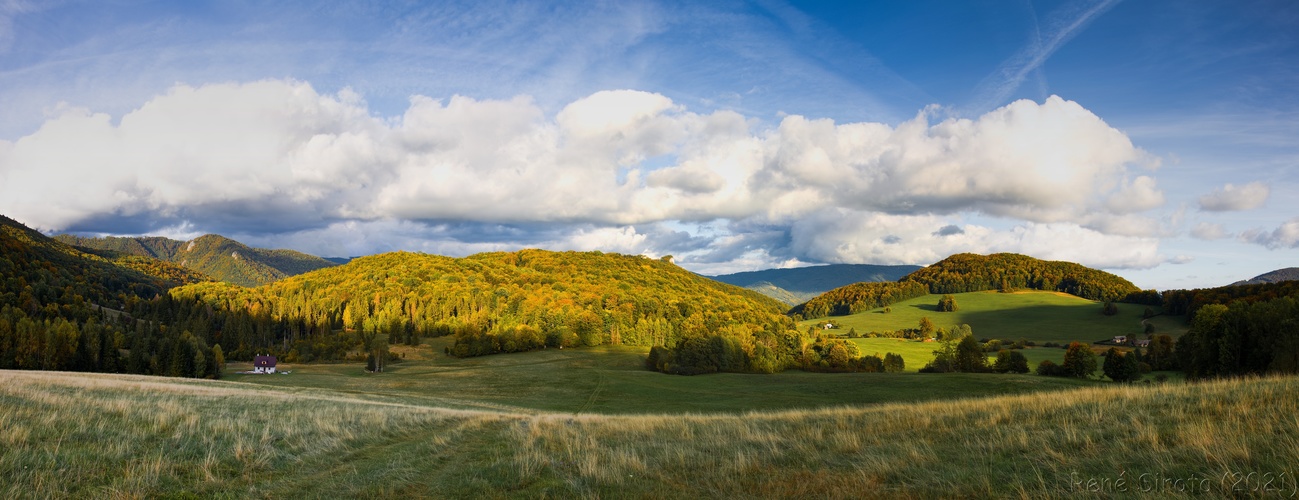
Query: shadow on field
1049, 323
926, 307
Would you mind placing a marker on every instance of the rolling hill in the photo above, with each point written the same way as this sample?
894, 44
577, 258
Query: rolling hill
219, 257
38, 270
969, 272
797, 285
1277, 276
508, 302
69, 310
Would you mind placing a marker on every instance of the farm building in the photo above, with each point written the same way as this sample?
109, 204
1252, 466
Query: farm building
1120, 339
264, 364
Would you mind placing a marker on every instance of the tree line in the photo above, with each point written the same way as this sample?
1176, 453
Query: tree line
858, 297
1009, 272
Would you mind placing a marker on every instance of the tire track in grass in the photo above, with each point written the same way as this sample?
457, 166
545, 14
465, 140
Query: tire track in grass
595, 394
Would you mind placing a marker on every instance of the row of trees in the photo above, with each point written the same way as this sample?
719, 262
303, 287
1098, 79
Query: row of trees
769, 354
1242, 338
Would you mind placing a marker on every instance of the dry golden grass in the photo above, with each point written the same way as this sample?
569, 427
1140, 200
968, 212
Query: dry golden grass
80, 435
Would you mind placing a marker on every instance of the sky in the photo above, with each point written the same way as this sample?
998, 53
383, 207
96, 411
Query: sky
1156, 139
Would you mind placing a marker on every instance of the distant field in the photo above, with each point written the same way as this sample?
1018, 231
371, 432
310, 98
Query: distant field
614, 380
115, 436
917, 354
1037, 316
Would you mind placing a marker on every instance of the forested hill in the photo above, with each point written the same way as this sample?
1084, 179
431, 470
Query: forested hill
797, 285
606, 298
968, 272
52, 316
1277, 276
44, 276
219, 257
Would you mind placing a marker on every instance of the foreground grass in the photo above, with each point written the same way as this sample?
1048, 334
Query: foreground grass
99, 436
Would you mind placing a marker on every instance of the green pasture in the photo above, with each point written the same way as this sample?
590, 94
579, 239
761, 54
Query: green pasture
613, 380
1037, 316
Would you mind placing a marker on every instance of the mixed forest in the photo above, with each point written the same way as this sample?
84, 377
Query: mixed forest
129, 305
221, 258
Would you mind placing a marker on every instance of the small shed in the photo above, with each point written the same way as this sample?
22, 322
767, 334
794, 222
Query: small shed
264, 364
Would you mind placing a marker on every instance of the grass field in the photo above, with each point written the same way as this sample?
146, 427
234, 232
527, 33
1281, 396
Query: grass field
1032, 315
613, 380
114, 436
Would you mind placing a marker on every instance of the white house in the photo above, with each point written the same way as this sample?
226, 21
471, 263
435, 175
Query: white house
264, 364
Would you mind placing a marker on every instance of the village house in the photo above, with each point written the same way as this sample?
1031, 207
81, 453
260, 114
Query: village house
264, 364
1120, 339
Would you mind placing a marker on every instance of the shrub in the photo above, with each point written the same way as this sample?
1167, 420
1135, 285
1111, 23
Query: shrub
1009, 361
1079, 360
1050, 369
947, 304
893, 363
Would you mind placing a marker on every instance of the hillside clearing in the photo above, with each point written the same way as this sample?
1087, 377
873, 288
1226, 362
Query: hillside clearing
1037, 316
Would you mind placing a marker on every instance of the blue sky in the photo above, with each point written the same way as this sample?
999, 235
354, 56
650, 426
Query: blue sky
1155, 139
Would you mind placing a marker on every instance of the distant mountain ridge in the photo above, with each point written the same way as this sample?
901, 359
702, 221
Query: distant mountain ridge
221, 258
797, 285
1277, 276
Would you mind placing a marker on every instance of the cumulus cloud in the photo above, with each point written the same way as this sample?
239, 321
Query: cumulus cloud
846, 236
1209, 231
1285, 236
277, 158
1232, 198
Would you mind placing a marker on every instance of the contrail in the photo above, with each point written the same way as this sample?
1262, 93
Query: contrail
1064, 24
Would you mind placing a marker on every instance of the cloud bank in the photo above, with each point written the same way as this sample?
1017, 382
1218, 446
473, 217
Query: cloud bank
618, 170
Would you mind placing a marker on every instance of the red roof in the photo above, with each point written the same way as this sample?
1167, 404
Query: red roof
263, 361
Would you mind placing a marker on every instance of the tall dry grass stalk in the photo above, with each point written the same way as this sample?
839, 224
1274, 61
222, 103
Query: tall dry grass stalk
118, 436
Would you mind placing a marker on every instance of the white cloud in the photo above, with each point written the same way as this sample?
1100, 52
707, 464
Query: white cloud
278, 157
845, 236
1209, 231
1231, 197
1285, 236
1137, 195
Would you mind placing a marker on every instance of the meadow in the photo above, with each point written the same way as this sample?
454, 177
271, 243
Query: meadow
613, 380
1033, 315
121, 436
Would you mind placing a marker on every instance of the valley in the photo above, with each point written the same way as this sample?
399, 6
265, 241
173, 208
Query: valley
537, 373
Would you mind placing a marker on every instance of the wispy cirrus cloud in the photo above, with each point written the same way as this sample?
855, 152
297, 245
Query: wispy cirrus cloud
1061, 26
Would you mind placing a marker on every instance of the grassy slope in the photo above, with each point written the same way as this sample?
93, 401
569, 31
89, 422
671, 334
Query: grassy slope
145, 436
1037, 316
